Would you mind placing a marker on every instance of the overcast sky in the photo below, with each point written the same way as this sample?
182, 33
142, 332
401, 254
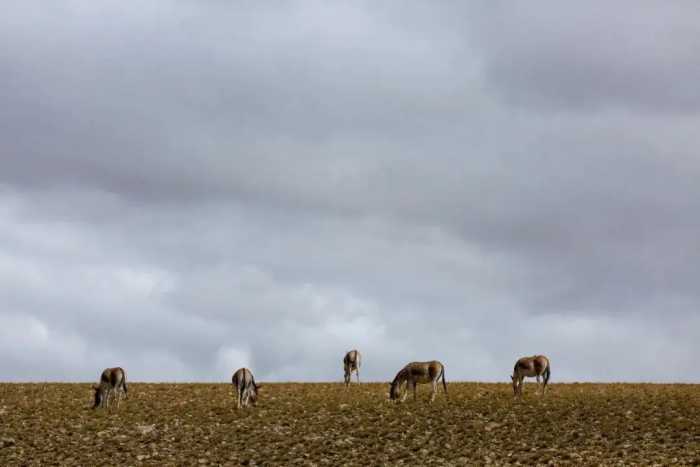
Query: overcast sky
191, 187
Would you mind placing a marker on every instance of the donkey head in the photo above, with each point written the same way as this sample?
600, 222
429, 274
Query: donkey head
99, 395
515, 384
394, 392
254, 393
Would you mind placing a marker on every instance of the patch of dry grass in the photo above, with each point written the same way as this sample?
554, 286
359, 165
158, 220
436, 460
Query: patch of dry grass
323, 424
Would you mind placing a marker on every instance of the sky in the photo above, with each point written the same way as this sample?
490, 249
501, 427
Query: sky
187, 188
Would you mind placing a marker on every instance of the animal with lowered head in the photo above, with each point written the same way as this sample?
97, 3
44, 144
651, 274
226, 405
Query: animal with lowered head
245, 388
416, 373
112, 384
537, 366
352, 362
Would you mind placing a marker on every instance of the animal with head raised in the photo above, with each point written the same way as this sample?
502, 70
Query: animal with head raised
112, 384
536, 366
416, 373
352, 362
245, 388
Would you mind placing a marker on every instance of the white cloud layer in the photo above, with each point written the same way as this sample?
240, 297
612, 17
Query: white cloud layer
190, 188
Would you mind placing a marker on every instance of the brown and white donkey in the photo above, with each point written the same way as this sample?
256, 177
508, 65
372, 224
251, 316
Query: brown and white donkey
112, 384
537, 366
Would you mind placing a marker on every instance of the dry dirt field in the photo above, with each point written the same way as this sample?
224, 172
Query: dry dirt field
322, 424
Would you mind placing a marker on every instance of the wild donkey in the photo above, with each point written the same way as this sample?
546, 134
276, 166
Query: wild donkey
537, 365
415, 373
352, 362
112, 383
245, 388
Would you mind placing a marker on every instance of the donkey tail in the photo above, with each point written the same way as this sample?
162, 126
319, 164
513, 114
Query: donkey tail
547, 373
126, 390
444, 384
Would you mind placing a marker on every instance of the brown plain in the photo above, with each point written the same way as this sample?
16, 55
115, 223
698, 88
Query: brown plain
324, 424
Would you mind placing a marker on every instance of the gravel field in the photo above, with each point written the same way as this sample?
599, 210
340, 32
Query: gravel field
323, 424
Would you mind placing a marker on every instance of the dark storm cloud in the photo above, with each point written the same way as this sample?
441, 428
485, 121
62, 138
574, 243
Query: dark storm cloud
589, 56
190, 188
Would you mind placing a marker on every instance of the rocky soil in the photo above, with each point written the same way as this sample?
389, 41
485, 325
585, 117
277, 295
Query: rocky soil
323, 424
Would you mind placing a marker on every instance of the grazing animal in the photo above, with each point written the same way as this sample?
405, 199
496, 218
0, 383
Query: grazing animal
112, 384
245, 387
415, 373
352, 362
537, 365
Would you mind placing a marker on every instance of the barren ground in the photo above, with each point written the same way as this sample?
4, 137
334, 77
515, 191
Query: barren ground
322, 424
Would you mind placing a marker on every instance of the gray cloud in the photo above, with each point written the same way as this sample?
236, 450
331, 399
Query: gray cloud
188, 189
587, 57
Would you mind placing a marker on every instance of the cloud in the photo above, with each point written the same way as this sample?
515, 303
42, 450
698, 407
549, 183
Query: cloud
229, 359
187, 189
636, 56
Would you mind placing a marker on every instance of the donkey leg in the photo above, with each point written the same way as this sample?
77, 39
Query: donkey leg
357, 371
544, 385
